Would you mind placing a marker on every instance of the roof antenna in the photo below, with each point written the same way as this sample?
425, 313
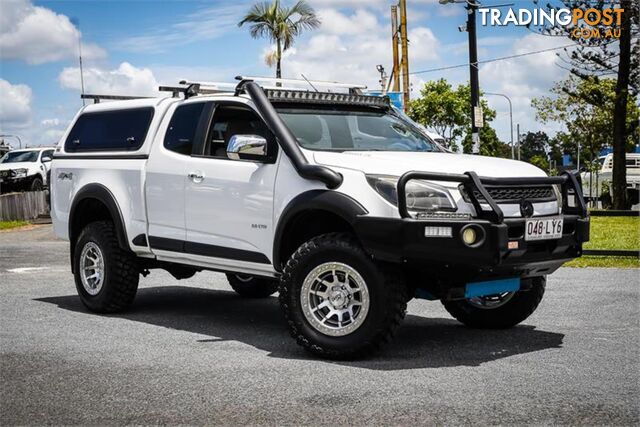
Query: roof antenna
307, 80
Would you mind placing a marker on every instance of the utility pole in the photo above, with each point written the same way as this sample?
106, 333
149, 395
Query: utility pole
476, 112
518, 141
395, 71
405, 53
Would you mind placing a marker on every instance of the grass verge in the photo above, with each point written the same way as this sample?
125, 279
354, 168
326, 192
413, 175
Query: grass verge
611, 232
7, 225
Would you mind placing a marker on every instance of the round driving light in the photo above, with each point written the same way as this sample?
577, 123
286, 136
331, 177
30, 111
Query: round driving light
469, 236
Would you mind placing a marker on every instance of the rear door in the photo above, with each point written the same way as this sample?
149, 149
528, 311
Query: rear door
229, 203
166, 176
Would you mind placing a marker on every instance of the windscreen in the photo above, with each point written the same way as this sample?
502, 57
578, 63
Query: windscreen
20, 156
336, 130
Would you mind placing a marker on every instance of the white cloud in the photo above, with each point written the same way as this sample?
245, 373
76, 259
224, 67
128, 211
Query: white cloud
15, 105
206, 24
523, 79
124, 80
37, 35
423, 45
335, 22
348, 46
50, 122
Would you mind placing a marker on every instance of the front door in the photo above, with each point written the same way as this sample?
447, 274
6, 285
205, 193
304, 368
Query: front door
229, 203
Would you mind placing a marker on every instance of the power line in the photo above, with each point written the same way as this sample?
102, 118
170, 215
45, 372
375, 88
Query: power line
501, 58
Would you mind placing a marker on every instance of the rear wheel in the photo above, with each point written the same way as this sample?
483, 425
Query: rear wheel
498, 311
339, 303
252, 287
106, 276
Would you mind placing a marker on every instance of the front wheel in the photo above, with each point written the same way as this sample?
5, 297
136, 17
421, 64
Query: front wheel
499, 311
36, 184
337, 302
252, 287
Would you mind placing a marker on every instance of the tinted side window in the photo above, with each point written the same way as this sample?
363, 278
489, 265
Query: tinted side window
183, 128
123, 130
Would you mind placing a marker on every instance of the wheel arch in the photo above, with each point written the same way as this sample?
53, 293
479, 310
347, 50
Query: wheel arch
310, 214
95, 202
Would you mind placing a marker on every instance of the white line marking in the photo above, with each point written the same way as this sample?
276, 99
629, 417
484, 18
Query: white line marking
23, 270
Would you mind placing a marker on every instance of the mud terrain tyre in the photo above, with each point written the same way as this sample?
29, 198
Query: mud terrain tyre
324, 289
498, 314
252, 287
106, 276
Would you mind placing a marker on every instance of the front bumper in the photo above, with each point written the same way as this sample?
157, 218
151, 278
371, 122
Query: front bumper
404, 241
449, 262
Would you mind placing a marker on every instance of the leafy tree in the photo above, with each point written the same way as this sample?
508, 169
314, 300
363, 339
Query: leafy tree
490, 145
587, 109
540, 161
281, 25
441, 109
446, 110
607, 57
534, 144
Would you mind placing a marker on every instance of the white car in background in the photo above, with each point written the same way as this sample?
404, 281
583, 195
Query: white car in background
593, 183
25, 169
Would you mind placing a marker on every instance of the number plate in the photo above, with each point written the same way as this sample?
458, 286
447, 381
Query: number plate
543, 229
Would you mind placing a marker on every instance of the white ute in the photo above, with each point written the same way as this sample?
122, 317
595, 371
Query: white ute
25, 169
333, 199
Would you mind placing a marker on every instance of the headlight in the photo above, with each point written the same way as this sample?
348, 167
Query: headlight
558, 190
18, 173
422, 196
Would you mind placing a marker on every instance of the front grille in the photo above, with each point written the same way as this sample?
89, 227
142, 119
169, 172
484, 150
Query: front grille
4, 174
517, 194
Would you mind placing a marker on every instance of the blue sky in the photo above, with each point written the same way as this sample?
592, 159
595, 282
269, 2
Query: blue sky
132, 46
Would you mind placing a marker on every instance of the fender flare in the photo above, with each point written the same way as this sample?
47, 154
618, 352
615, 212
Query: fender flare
102, 194
332, 202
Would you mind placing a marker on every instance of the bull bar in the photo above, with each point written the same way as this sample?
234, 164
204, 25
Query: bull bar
568, 181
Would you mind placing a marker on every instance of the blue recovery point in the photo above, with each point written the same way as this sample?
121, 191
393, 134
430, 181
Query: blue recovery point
491, 287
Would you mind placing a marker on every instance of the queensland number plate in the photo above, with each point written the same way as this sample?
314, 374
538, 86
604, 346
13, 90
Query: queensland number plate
543, 229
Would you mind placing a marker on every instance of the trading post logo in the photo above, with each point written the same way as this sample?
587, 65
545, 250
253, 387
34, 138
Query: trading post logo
583, 23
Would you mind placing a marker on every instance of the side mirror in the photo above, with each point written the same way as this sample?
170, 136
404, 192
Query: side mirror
247, 147
46, 159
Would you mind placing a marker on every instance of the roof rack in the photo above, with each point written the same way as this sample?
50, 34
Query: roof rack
97, 98
277, 83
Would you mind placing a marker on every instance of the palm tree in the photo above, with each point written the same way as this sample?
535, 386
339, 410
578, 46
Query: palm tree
281, 25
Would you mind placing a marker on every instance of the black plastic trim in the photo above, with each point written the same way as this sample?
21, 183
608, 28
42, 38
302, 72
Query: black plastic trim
287, 140
102, 194
195, 248
331, 201
402, 241
100, 156
140, 240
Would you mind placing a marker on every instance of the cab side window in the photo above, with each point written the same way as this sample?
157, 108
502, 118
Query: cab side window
229, 120
183, 128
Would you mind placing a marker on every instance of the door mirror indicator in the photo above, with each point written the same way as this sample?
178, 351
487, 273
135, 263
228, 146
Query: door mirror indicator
247, 147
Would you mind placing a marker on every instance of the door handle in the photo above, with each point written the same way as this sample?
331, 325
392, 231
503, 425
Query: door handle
196, 176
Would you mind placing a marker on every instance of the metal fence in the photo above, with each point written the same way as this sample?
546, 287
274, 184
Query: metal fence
23, 206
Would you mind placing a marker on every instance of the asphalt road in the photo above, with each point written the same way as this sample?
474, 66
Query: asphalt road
193, 352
